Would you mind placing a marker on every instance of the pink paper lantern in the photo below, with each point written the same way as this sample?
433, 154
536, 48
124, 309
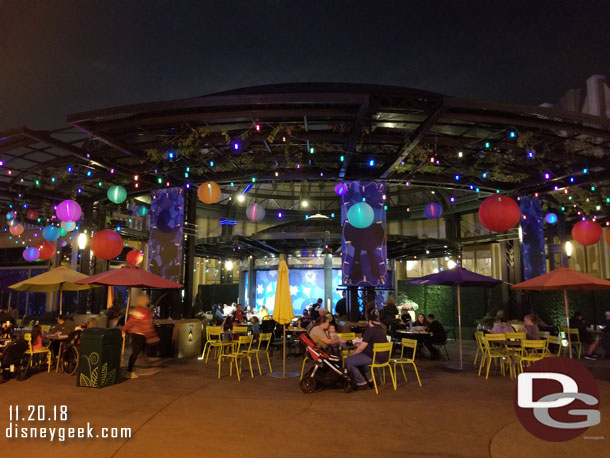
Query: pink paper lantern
68, 211
17, 229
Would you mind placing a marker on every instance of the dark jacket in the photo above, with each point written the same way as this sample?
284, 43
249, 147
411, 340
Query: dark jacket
438, 332
341, 307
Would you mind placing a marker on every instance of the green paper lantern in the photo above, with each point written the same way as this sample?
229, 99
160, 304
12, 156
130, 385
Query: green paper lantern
117, 194
361, 215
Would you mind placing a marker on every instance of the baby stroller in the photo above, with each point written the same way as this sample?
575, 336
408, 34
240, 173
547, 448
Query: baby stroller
13, 360
327, 370
69, 354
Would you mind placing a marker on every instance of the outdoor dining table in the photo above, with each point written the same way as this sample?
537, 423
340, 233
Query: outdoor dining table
61, 338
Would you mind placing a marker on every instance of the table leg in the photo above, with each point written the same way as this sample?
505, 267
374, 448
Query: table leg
59, 353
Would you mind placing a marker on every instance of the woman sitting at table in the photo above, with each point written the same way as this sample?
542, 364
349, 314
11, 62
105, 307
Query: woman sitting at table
319, 334
502, 326
37, 338
240, 316
421, 321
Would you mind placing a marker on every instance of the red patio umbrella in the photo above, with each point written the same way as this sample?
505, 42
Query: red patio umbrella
130, 276
564, 279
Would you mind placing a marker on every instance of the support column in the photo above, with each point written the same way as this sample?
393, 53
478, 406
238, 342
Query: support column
251, 292
328, 281
351, 299
190, 215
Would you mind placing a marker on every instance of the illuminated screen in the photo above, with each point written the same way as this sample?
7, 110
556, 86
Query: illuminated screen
306, 286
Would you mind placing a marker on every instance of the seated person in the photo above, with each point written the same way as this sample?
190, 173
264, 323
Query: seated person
502, 326
319, 334
65, 325
358, 362
389, 312
37, 338
405, 317
531, 328
604, 341
305, 320
228, 323
256, 327
438, 337
240, 316
329, 316
421, 321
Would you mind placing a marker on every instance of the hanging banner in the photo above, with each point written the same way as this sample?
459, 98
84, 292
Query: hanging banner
532, 243
166, 233
363, 242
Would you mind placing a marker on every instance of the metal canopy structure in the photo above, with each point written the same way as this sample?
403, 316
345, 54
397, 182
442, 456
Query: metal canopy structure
302, 134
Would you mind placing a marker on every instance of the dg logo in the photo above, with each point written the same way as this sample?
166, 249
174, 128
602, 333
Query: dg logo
557, 399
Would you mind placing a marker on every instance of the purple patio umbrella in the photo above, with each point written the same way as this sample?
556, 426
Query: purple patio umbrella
458, 276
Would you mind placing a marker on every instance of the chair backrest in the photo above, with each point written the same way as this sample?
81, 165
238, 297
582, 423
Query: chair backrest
347, 335
554, 340
243, 344
382, 348
240, 329
478, 337
264, 340
45, 328
408, 343
514, 335
213, 332
487, 338
28, 338
534, 346
574, 335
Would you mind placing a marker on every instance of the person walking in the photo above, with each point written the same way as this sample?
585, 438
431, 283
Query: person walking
141, 330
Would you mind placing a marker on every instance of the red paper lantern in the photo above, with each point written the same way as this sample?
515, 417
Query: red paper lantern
587, 232
135, 257
106, 244
499, 213
46, 250
32, 215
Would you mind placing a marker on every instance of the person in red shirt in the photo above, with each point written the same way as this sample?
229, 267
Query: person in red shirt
141, 329
37, 338
240, 316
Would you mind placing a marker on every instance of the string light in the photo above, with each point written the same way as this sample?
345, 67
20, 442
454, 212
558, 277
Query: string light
460, 154
372, 163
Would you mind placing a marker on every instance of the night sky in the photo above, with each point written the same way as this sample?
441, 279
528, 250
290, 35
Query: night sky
61, 57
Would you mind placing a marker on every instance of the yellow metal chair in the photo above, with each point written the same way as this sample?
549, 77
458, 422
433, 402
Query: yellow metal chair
553, 340
242, 351
544, 334
531, 351
411, 344
19, 323
45, 328
478, 337
213, 340
378, 350
348, 336
494, 351
574, 340
30, 351
305, 359
264, 341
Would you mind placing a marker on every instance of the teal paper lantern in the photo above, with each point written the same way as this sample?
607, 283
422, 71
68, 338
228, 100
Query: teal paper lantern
361, 215
68, 226
142, 210
117, 194
51, 233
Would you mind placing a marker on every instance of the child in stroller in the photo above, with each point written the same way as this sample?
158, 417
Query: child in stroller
13, 360
327, 370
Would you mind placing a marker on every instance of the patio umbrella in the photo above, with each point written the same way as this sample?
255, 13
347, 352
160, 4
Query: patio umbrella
564, 279
282, 311
458, 276
130, 276
59, 279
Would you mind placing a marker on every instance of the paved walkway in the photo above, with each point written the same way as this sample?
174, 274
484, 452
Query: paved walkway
184, 410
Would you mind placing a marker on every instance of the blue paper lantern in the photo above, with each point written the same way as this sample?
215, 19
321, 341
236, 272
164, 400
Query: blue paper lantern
550, 218
433, 210
361, 215
340, 189
51, 233
142, 210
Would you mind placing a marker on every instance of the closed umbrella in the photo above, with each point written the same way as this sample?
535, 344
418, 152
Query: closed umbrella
59, 279
282, 311
564, 279
458, 276
130, 276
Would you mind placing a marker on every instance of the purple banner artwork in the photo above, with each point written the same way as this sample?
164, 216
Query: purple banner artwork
166, 233
363, 243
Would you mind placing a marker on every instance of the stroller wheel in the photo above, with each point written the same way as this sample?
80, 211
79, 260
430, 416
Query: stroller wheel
347, 386
308, 385
70, 361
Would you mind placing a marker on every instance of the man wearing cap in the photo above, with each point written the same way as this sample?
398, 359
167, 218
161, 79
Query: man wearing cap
358, 363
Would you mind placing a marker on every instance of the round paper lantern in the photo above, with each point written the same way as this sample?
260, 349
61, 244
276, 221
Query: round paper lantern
68, 210
340, 189
31, 254
46, 250
550, 218
499, 213
142, 210
51, 233
13, 221
433, 210
135, 257
32, 215
587, 232
117, 194
106, 244
255, 212
62, 243
68, 226
17, 229
361, 215
11, 215
209, 192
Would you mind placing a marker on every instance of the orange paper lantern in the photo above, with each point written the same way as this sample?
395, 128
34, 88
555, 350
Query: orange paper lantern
209, 192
